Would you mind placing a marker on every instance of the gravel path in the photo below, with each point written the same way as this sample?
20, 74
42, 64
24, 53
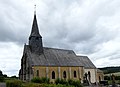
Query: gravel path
2, 85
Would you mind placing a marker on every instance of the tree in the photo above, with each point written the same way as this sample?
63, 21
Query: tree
1, 74
15, 77
5, 75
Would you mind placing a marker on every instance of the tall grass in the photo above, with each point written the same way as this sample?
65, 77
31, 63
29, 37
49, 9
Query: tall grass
13, 83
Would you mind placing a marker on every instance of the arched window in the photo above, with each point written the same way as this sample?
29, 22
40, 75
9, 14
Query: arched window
53, 75
37, 73
64, 74
75, 74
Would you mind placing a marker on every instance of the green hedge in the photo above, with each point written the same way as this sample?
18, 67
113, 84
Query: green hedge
14, 83
44, 85
70, 82
40, 80
60, 81
43, 82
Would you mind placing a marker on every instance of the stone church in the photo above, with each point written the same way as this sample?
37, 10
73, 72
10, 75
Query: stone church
53, 63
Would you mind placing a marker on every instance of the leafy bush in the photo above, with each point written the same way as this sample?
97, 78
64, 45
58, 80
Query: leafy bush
14, 83
77, 83
2, 79
57, 81
70, 82
36, 80
63, 81
60, 81
45, 80
40, 80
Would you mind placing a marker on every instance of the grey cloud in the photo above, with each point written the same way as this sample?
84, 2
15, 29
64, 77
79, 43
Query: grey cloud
81, 29
61, 27
14, 23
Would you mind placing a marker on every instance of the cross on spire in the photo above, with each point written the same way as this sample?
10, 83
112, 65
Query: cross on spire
35, 9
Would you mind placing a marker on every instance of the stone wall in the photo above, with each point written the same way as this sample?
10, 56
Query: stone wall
93, 73
60, 72
100, 76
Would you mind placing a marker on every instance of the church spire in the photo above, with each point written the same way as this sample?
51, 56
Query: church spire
35, 39
35, 29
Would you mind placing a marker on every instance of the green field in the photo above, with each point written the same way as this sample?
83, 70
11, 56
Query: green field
116, 74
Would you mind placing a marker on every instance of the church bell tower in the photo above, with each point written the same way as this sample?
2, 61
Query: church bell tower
35, 39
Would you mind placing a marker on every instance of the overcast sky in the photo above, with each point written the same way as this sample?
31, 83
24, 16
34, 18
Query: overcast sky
89, 27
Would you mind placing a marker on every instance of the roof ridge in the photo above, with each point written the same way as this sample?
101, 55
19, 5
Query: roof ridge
82, 56
58, 49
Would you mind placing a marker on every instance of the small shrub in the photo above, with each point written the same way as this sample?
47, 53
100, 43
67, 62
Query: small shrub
57, 81
61, 81
40, 80
76, 83
14, 83
70, 81
45, 80
36, 80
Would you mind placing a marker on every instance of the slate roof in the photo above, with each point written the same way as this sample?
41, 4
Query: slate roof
86, 62
58, 57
